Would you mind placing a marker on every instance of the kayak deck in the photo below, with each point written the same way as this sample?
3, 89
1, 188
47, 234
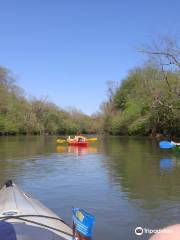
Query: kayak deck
28, 216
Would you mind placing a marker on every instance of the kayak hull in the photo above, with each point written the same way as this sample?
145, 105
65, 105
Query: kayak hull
80, 144
29, 218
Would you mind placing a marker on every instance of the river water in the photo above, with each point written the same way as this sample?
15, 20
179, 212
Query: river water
125, 182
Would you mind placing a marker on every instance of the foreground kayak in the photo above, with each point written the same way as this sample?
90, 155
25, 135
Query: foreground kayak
25, 218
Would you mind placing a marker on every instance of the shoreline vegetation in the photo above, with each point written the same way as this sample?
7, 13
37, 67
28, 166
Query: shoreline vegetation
19, 115
146, 102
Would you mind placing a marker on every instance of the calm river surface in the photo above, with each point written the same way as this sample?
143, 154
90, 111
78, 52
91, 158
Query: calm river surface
124, 182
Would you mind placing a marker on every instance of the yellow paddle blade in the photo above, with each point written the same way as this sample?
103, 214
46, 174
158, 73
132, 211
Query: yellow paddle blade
92, 139
60, 141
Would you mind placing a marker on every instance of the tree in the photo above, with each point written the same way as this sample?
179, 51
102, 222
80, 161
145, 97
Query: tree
166, 54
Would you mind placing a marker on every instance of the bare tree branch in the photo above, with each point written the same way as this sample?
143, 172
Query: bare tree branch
171, 58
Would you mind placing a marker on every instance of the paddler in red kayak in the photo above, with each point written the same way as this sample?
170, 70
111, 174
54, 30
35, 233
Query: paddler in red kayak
77, 138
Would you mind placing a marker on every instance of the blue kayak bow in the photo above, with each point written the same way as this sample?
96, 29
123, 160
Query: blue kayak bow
166, 145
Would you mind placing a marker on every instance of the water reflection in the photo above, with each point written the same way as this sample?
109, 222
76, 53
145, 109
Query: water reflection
169, 163
166, 163
136, 166
77, 150
24, 146
129, 183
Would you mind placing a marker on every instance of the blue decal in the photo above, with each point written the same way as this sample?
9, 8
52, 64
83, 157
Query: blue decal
83, 221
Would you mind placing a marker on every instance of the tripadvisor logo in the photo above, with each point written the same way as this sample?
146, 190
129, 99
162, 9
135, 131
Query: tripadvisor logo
139, 231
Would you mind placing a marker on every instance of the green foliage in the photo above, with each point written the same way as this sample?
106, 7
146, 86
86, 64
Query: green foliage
148, 100
20, 116
140, 126
122, 122
7, 125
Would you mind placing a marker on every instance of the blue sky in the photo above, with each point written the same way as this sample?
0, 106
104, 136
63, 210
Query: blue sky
69, 49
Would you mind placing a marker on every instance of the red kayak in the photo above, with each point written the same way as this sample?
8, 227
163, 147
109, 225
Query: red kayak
76, 143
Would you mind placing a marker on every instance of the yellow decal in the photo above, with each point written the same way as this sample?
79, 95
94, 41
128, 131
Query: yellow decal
79, 215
